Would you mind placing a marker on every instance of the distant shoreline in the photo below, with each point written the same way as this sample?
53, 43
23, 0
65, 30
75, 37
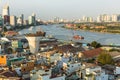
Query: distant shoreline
91, 30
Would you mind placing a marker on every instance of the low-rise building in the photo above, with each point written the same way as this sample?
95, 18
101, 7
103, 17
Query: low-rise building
45, 75
91, 71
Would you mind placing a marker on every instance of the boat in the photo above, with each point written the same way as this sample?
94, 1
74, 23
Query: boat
78, 37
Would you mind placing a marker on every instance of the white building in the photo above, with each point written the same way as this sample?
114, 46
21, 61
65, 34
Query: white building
72, 67
13, 20
98, 19
32, 19
55, 57
44, 75
104, 18
87, 19
20, 20
93, 72
117, 71
114, 18
5, 10
96, 73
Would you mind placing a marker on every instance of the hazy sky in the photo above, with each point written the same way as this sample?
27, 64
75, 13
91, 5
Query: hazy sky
69, 9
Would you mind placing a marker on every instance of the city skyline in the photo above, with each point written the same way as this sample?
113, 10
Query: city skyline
73, 9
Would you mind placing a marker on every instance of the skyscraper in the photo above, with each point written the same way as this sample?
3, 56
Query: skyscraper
56, 20
32, 19
1, 21
13, 20
114, 18
5, 11
104, 18
6, 14
20, 20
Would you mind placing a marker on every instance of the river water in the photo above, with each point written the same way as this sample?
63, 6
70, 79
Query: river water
66, 34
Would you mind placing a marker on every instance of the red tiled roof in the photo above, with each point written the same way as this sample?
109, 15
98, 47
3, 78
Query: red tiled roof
11, 33
92, 53
70, 48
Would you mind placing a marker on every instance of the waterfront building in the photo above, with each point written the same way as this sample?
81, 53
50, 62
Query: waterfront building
84, 18
104, 18
6, 14
114, 18
56, 20
20, 20
32, 19
98, 19
13, 21
1, 20
25, 22
90, 19
87, 19
5, 10
118, 16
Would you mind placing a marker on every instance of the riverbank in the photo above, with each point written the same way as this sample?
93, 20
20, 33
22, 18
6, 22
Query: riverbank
96, 31
66, 34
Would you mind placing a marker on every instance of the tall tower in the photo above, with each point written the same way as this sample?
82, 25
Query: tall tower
13, 21
6, 14
5, 11
32, 19
20, 20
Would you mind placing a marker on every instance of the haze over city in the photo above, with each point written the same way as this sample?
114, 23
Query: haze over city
69, 9
59, 40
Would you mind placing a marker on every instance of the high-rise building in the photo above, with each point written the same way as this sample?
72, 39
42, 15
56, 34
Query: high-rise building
104, 18
84, 18
13, 20
118, 17
26, 22
114, 18
6, 14
87, 19
6, 19
56, 20
20, 20
1, 20
5, 10
98, 19
32, 19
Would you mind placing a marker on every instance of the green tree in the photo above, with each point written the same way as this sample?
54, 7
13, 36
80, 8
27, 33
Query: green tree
95, 44
10, 50
105, 58
5, 29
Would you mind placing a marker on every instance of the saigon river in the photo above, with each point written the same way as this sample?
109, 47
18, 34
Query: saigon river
66, 34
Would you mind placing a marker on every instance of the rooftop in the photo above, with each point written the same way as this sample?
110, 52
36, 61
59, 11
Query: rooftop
92, 53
